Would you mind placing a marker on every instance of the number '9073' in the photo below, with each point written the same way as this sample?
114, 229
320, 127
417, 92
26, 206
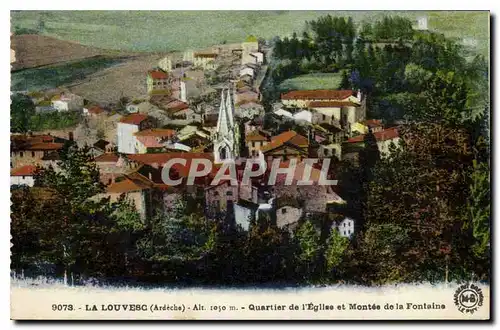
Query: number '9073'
62, 307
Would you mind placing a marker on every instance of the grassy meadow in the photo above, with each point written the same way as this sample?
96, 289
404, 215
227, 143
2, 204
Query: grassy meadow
312, 81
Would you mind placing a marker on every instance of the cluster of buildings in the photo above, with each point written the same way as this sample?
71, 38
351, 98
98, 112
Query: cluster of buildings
336, 122
333, 125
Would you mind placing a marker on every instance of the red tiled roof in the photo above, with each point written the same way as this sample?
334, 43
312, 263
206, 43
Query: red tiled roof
160, 159
27, 170
45, 146
126, 185
176, 106
149, 141
373, 123
387, 134
108, 157
331, 104
158, 74
96, 110
32, 138
157, 132
291, 137
318, 94
134, 119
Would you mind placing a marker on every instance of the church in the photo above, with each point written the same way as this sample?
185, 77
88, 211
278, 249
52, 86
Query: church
226, 139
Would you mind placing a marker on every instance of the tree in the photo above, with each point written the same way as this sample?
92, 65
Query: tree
345, 83
446, 97
335, 248
479, 207
77, 230
423, 186
382, 255
175, 236
21, 111
308, 240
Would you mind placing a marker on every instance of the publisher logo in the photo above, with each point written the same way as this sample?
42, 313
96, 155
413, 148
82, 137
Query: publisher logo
468, 298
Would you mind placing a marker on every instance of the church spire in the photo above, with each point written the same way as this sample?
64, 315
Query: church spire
221, 112
226, 139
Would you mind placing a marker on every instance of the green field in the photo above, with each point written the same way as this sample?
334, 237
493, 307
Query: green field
178, 30
312, 81
57, 75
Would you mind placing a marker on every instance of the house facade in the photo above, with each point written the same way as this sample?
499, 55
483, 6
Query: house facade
30, 150
207, 61
157, 81
126, 129
67, 102
345, 227
23, 175
255, 140
286, 145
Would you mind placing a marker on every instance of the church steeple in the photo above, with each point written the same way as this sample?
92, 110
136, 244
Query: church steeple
226, 138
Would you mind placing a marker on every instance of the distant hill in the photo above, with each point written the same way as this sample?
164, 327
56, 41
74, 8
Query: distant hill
164, 31
35, 50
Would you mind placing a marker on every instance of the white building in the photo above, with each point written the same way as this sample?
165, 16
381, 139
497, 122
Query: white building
345, 227
422, 23
259, 57
23, 175
165, 64
126, 128
67, 102
247, 71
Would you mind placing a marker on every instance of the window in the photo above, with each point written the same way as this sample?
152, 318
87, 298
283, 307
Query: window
344, 232
324, 117
253, 144
344, 224
283, 211
32, 154
229, 193
216, 193
349, 232
21, 154
23, 177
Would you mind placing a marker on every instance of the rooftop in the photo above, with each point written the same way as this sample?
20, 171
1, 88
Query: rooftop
126, 185
318, 94
45, 146
134, 119
257, 135
108, 157
387, 134
158, 74
331, 104
26, 170
289, 137
157, 132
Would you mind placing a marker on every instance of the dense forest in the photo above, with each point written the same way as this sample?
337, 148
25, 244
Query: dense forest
423, 212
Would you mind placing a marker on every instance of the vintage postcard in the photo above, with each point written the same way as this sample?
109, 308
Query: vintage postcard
250, 165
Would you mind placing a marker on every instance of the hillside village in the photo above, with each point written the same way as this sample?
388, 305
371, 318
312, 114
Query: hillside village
195, 106
404, 153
